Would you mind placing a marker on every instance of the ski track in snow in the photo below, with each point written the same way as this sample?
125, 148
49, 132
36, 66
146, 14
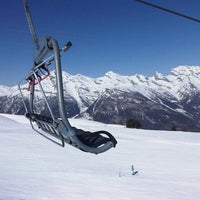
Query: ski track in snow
33, 168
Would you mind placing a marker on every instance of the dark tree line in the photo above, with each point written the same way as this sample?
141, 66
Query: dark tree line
133, 123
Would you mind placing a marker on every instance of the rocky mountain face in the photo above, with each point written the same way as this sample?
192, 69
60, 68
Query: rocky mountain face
158, 102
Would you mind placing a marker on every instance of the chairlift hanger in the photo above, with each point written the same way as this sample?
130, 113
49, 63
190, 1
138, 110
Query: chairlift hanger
56, 129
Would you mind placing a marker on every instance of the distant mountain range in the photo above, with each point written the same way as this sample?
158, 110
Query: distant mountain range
158, 102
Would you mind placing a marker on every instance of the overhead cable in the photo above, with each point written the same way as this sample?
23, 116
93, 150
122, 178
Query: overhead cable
168, 10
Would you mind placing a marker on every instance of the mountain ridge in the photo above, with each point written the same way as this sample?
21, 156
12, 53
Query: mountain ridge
156, 100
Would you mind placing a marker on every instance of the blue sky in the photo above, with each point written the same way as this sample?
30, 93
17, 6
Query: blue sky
107, 35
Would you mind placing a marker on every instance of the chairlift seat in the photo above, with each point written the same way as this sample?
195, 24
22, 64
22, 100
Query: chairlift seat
47, 51
88, 141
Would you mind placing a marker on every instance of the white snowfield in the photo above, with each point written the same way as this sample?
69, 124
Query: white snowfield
33, 168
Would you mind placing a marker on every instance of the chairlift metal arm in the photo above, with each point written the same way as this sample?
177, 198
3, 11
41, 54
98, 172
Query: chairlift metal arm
59, 83
30, 22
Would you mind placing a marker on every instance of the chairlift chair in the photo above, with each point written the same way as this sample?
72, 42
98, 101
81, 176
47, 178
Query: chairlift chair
47, 53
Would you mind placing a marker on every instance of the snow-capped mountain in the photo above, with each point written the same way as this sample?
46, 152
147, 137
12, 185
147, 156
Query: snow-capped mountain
158, 101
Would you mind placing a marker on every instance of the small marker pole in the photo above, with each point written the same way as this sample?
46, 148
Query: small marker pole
120, 172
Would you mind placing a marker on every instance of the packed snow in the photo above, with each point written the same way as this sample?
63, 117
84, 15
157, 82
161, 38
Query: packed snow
33, 168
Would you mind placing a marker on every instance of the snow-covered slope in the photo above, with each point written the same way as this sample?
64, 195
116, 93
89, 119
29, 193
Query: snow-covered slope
32, 168
111, 98
83, 88
177, 83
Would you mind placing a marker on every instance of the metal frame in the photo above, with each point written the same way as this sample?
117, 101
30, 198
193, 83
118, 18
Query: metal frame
47, 51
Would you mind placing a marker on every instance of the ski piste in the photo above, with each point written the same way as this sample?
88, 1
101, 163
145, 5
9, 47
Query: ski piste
56, 129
